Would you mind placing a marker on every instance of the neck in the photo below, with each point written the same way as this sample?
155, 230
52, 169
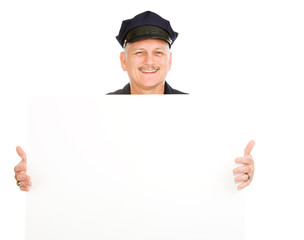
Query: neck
157, 89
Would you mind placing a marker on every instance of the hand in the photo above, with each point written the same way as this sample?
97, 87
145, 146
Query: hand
20, 172
247, 170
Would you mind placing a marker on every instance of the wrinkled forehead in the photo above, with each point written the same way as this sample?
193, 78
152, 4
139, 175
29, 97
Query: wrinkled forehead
149, 44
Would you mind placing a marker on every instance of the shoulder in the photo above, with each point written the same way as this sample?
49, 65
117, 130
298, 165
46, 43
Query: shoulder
170, 90
124, 90
174, 91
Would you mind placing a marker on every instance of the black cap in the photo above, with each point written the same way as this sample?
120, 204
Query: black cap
146, 25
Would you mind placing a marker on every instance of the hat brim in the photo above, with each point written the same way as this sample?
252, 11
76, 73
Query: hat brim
147, 32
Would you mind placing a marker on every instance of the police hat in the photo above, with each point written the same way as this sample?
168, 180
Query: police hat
146, 25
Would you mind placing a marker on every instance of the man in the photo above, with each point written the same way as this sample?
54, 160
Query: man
147, 39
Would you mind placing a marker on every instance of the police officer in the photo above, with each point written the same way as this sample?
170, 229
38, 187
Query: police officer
147, 39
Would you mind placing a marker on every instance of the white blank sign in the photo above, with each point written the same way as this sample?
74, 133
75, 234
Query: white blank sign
131, 167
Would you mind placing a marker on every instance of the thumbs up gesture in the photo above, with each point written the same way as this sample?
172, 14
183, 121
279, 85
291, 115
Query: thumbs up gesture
23, 180
247, 170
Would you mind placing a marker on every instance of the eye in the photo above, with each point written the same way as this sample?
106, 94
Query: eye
159, 53
138, 52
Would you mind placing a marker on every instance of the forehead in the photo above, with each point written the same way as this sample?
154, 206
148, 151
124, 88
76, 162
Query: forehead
149, 44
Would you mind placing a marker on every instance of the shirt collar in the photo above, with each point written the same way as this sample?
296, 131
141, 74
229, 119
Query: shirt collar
127, 89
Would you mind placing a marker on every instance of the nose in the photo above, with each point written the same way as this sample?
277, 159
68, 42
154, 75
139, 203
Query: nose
149, 59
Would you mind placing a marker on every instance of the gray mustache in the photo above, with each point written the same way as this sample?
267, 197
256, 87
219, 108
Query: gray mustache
148, 68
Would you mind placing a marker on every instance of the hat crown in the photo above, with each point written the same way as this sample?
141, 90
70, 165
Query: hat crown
146, 18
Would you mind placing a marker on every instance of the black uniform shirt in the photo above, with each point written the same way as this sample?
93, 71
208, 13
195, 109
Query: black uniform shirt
127, 90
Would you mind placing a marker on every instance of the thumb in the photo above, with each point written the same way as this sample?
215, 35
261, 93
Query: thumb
248, 148
21, 153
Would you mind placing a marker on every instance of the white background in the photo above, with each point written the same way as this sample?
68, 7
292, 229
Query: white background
240, 53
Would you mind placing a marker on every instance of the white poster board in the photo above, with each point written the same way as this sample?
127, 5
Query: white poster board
138, 168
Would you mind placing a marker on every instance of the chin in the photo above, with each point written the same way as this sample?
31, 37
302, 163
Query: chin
151, 82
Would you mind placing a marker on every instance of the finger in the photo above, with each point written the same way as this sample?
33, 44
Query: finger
241, 178
25, 184
245, 160
243, 169
26, 189
22, 177
243, 185
21, 153
20, 167
249, 148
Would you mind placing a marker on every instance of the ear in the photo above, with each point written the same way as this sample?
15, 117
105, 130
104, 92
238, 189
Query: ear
123, 61
170, 60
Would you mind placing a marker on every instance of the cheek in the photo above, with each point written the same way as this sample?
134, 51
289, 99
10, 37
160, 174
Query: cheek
132, 68
130, 62
166, 64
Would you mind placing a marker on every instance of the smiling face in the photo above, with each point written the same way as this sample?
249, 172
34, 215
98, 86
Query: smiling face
147, 63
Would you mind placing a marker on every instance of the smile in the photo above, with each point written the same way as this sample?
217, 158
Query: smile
149, 71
